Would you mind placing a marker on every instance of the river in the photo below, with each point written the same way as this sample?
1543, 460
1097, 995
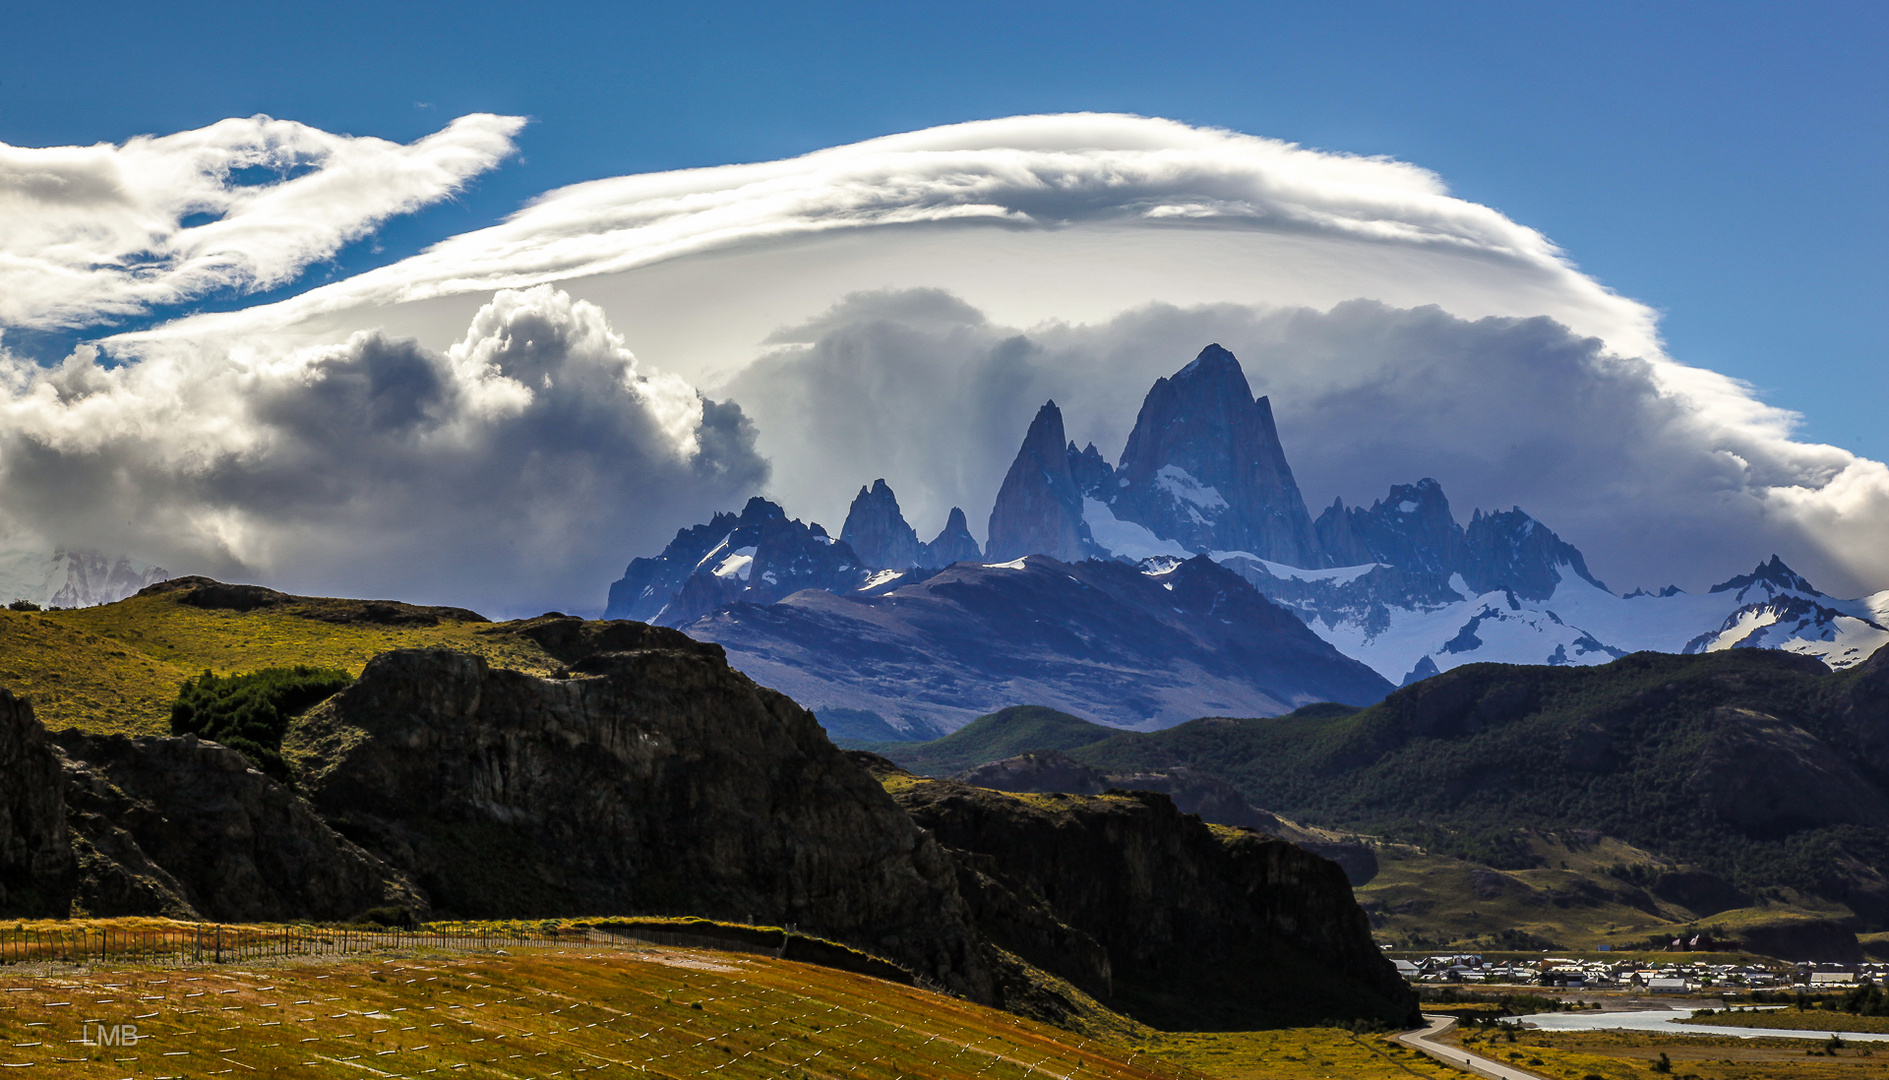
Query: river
1662, 1020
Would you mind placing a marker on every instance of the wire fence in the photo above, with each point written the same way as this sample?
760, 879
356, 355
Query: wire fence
222, 943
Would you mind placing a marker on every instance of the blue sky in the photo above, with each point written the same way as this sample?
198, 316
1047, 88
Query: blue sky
1722, 162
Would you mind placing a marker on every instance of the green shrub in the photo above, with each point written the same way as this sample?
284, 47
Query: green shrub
250, 713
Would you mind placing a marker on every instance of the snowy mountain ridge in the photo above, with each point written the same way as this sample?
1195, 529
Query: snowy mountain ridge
69, 578
1401, 585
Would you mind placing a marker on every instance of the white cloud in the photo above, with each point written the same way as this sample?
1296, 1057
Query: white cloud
1052, 236
1040, 175
928, 392
99, 232
510, 472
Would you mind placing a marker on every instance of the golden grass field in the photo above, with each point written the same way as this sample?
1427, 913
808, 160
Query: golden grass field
575, 1009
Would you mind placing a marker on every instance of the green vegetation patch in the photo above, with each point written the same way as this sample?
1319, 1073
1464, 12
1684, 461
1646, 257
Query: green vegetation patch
250, 713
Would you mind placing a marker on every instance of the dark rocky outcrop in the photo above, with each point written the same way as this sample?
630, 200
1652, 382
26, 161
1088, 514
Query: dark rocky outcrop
1039, 507
653, 781
183, 827
1201, 927
953, 544
1193, 791
37, 868
1038, 771
1204, 467
877, 532
161, 826
203, 592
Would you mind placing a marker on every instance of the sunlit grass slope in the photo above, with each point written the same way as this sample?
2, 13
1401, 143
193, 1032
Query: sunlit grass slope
539, 1013
117, 667
545, 1012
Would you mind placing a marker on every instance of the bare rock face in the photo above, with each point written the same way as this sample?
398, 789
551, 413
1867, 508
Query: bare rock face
953, 544
1204, 466
37, 865
877, 532
1039, 508
185, 827
1201, 927
649, 781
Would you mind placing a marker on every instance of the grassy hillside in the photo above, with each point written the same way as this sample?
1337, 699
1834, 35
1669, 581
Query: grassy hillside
999, 735
118, 667
663, 1012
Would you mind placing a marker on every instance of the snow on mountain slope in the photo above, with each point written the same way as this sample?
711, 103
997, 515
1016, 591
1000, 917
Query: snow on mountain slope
1375, 617
1126, 539
67, 578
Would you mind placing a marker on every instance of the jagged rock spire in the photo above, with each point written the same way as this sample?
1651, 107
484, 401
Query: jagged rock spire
953, 544
1204, 467
877, 531
1039, 508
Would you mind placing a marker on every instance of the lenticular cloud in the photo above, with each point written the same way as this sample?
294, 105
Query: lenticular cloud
509, 471
100, 232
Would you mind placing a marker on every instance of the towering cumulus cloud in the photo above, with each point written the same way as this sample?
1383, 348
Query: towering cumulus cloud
512, 470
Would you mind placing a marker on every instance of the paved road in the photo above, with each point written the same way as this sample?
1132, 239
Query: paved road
1456, 1056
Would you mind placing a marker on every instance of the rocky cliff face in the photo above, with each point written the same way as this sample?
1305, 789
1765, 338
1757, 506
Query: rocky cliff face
1193, 791
160, 826
36, 862
1039, 508
1204, 467
1201, 927
954, 543
1411, 528
649, 781
877, 532
1510, 550
186, 828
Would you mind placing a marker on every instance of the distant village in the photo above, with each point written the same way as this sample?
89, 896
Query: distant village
1570, 974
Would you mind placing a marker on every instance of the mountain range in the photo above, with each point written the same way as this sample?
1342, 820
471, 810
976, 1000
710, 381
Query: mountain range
68, 578
1401, 587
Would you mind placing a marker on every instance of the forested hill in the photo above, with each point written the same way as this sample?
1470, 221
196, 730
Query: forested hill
1761, 767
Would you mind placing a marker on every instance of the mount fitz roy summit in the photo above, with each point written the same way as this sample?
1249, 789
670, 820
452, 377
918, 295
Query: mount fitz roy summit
1202, 489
